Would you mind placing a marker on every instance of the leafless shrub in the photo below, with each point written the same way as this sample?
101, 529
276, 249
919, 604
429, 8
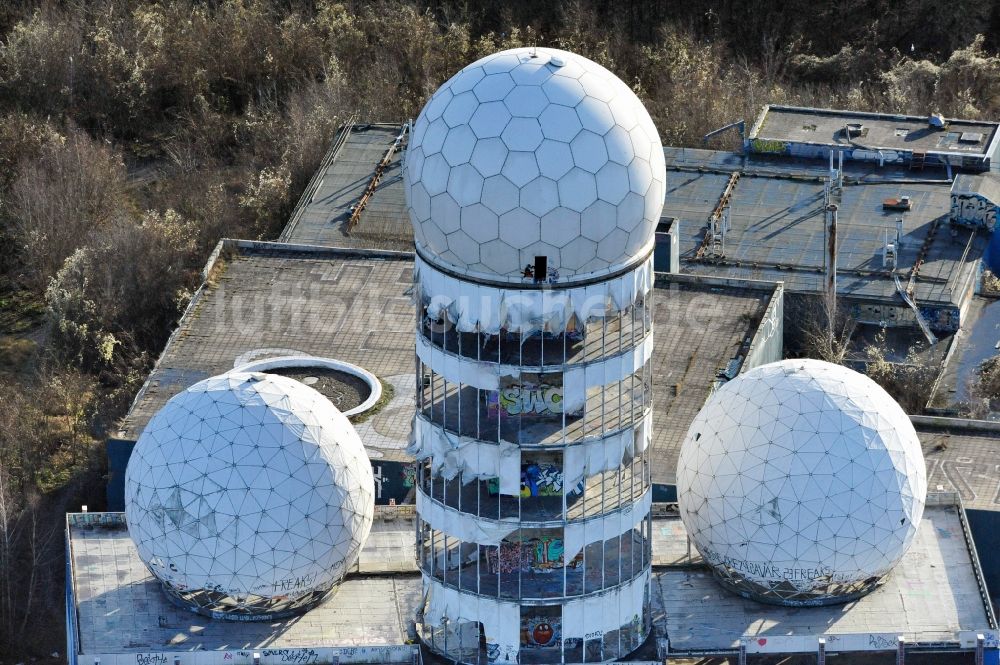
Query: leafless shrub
909, 382
124, 288
39, 58
45, 444
74, 187
984, 388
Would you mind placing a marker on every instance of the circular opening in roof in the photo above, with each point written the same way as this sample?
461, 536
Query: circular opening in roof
346, 391
352, 389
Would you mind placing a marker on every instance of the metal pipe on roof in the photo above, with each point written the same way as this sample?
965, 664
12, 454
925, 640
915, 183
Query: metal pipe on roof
831, 268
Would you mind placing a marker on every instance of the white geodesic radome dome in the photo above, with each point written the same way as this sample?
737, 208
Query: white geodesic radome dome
801, 482
249, 494
534, 152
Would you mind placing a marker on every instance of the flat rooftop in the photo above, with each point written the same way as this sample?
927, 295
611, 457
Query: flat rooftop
963, 456
777, 225
265, 300
976, 342
269, 299
323, 213
120, 608
880, 131
776, 213
932, 596
698, 330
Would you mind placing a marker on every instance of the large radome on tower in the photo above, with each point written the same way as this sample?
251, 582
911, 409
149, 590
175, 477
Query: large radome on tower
534, 181
534, 152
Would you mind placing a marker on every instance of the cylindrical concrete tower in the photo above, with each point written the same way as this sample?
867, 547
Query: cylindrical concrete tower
534, 180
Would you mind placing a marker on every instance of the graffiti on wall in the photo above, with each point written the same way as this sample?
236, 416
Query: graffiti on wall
938, 318
769, 146
541, 480
540, 631
497, 653
529, 395
393, 480
941, 318
531, 555
393, 653
971, 210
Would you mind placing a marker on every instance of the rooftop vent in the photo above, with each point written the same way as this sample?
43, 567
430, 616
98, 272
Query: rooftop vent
854, 129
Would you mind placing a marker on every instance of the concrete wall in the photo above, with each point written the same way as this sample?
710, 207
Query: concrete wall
396, 653
884, 157
118, 451
767, 345
71, 632
941, 319
666, 254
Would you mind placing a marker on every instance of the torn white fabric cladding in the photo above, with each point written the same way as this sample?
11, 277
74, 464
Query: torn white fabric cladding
471, 529
464, 526
605, 612
605, 527
472, 307
576, 379
501, 621
451, 454
589, 458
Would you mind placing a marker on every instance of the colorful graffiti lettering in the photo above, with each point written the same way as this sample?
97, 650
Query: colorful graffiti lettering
507, 558
533, 555
409, 475
541, 480
542, 399
973, 211
769, 146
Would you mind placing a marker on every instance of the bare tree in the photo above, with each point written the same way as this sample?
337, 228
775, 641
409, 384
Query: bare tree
8, 510
818, 328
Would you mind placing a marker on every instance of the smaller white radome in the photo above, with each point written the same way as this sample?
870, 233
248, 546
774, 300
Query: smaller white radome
534, 152
801, 482
251, 487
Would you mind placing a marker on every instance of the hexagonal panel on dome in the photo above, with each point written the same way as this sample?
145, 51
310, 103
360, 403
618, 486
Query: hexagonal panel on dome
530, 135
249, 495
801, 483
